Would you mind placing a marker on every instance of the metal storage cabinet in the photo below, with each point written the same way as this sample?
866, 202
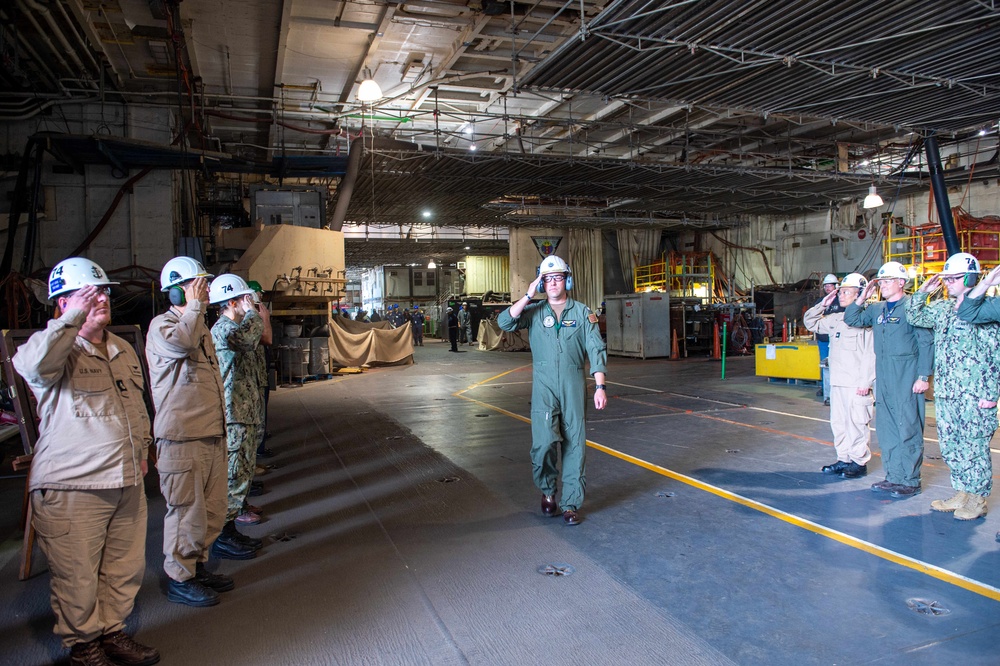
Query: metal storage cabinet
638, 324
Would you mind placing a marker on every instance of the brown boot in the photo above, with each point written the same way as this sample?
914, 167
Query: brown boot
954, 503
122, 649
88, 654
974, 507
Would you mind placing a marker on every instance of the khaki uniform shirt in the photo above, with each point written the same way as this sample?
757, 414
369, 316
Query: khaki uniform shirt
94, 431
852, 350
184, 376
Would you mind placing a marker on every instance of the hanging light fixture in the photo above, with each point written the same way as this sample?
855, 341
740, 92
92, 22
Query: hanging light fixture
431, 264
873, 200
369, 91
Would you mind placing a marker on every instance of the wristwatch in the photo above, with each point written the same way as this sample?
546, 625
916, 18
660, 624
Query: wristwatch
528, 296
922, 378
600, 387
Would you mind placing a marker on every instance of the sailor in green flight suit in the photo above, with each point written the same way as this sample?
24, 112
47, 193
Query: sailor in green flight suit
561, 332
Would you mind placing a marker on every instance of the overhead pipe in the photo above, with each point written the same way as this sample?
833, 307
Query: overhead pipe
56, 30
941, 195
60, 5
44, 37
346, 187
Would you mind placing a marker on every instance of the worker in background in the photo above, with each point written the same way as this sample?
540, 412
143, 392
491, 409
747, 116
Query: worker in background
852, 376
376, 317
563, 334
823, 340
452, 328
465, 322
976, 309
87, 498
966, 384
237, 335
417, 326
904, 358
190, 429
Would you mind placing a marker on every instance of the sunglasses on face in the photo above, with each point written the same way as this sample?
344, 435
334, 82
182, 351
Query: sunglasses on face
553, 279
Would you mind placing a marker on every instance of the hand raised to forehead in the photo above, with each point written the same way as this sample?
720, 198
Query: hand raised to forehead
83, 298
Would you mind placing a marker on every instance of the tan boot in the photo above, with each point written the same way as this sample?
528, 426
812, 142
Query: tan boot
953, 504
974, 507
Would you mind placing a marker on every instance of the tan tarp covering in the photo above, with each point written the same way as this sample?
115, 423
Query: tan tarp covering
356, 343
491, 338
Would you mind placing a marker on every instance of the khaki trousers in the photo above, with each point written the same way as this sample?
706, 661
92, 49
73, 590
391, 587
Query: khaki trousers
193, 481
850, 415
95, 543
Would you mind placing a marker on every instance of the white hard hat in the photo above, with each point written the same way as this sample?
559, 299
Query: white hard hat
830, 279
856, 280
553, 264
75, 272
892, 270
227, 287
181, 269
959, 263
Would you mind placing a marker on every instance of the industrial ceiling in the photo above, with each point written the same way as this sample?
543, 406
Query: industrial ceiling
626, 113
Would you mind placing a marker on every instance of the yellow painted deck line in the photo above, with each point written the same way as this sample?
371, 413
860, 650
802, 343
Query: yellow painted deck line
931, 570
878, 551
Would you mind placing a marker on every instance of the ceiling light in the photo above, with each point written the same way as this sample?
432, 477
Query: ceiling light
431, 264
873, 200
427, 213
982, 132
369, 90
472, 146
468, 247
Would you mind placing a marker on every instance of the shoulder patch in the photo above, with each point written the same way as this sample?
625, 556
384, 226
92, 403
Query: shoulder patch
592, 318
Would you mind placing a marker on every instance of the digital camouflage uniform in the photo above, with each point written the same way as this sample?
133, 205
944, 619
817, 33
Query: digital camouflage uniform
236, 346
902, 353
559, 350
966, 370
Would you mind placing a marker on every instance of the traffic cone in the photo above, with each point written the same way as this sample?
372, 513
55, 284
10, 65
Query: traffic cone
716, 350
675, 352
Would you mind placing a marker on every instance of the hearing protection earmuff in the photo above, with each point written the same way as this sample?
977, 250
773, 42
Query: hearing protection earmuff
971, 279
176, 296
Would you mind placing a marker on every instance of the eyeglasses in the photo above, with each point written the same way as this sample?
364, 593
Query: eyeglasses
953, 278
550, 279
100, 290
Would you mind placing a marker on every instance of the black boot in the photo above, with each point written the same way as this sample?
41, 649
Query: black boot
230, 531
227, 547
216, 582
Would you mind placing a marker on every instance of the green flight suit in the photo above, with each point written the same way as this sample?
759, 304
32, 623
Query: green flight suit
902, 353
966, 369
558, 393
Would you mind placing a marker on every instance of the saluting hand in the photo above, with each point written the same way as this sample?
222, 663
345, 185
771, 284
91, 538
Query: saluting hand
82, 299
867, 292
829, 299
196, 290
533, 287
932, 285
992, 278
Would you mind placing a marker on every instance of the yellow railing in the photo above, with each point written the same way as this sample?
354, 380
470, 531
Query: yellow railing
683, 274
